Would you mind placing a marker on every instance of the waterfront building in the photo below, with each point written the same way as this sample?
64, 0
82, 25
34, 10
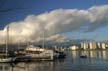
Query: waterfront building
92, 45
103, 46
99, 45
106, 46
84, 45
74, 47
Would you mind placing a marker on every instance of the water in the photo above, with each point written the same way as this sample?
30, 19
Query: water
96, 61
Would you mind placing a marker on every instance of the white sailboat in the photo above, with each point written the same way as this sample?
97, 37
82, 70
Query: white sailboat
5, 58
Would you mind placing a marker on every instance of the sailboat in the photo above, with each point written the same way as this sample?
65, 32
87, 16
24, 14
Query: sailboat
38, 53
34, 53
5, 58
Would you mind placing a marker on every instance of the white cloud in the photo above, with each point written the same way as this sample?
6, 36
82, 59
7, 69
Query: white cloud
55, 22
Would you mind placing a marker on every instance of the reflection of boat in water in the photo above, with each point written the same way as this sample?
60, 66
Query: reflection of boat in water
34, 66
5, 67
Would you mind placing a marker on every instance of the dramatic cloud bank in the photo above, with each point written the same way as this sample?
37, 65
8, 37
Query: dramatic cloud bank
56, 22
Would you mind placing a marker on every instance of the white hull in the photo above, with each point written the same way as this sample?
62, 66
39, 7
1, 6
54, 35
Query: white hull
37, 53
47, 54
5, 60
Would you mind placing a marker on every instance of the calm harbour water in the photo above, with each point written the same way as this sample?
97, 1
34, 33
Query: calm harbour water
96, 61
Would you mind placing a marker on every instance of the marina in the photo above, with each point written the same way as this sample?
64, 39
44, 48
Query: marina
53, 35
97, 61
30, 53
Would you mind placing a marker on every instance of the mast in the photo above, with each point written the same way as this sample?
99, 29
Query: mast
43, 40
18, 45
7, 39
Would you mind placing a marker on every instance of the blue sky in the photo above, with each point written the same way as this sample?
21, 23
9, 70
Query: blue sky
36, 7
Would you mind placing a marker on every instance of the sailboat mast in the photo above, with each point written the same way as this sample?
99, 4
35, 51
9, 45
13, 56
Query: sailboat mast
43, 40
7, 39
18, 45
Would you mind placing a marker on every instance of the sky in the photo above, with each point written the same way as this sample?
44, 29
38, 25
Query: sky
60, 19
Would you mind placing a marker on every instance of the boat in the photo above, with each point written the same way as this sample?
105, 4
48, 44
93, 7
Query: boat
38, 53
83, 55
4, 58
59, 54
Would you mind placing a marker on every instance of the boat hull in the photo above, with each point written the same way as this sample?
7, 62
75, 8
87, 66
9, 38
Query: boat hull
6, 60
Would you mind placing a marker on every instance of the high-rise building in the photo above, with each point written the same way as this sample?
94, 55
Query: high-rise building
74, 47
103, 46
99, 45
84, 45
92, 45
